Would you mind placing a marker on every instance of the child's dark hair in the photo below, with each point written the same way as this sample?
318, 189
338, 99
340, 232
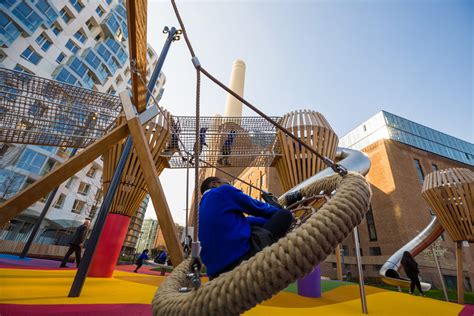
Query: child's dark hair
146, 250
205, 185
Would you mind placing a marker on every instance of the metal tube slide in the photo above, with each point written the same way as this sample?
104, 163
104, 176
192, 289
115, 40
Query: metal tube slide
352, 160
389, 271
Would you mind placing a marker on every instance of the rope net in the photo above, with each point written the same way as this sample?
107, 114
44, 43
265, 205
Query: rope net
39, 111
224, 142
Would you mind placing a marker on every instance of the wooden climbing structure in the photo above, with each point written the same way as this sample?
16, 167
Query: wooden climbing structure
450, 194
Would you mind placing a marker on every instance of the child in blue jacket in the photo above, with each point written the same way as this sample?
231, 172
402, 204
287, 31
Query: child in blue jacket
227, 236
143, 256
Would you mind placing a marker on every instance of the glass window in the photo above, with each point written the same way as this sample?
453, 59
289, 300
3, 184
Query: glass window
8, 27
31, 161
60, 201
27, 16
375, 251
78, 206
30, 55
22, 69
65, 15
10, 183
419, 171
44, 7
44, 42
81, 36
83, 188
60, 58
371, 225
65, 76
77, 5
48, 166
70, 182
92, 172
78, 67
56, 28
72, 47
99, 11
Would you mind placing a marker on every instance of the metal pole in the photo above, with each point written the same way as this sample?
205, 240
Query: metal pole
161, 61
440, 274
81, 274
39, 220
361, 273
187, 202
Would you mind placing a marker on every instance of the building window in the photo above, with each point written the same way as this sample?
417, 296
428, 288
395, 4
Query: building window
60, 201
44, 42
78, 206
66, 76
70, 182
72, 47
10, 183
92, 172
66, 15
44, 7
376, 267
56, 28
371, 225
93, 212
83, 188
22, 69
48, 166
77, 5
81, 36
27, 16
434, 167
419, 171
375, 251
60, 58
91, 23
31, 161
99, 11
345, 250
30, 55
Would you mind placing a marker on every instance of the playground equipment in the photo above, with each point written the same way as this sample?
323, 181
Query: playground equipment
389, 271
450, 194
290, 258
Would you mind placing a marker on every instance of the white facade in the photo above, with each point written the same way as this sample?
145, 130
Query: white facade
80, 42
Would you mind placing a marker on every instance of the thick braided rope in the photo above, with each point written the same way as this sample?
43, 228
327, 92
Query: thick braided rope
276, 266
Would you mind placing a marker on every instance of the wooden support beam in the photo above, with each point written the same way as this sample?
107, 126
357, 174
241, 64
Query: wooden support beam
163, 213
459, 268
137, 46
339, 262
18, 203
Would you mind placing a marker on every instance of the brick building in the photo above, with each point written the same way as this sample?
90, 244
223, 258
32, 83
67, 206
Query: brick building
402, 153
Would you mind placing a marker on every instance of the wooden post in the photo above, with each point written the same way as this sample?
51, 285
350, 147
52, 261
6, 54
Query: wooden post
460, 279
339, 262
152, 181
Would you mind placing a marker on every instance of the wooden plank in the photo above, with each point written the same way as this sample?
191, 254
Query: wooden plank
137, 46
19, 202
339, 262
155, 189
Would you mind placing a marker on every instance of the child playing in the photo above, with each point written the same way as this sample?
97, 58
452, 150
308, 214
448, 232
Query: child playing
139, 263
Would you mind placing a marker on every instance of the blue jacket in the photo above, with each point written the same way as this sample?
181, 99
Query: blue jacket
224, 231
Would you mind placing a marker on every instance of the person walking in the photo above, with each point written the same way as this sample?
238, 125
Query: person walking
202, 143
76, 243
411, 269
227, 148
139, 262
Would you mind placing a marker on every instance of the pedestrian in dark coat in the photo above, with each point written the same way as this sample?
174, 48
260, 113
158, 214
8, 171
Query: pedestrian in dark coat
411, 269
141, 258
76, 243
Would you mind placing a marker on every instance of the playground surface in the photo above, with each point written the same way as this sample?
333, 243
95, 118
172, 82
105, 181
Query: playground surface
38, 287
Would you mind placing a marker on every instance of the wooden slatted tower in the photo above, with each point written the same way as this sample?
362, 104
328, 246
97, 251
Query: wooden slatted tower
450, 194
297, 163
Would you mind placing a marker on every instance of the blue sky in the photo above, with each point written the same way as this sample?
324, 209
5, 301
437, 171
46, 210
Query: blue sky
345, 59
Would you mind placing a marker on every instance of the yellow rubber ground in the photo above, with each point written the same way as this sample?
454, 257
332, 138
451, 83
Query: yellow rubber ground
21, 286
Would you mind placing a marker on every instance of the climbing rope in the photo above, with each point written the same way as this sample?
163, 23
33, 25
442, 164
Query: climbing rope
334, 166
276, 266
